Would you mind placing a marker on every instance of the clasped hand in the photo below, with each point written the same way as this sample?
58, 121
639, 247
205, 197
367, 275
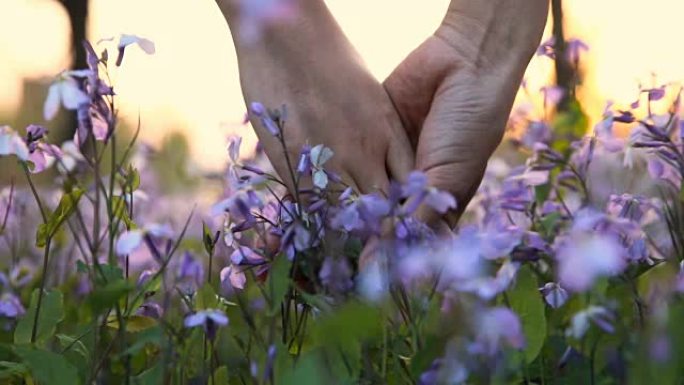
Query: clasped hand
442, 111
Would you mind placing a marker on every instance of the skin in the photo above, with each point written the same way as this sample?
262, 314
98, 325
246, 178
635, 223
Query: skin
308, 64
447, 103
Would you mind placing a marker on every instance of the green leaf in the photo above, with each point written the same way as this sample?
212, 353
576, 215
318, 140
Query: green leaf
208, 239
48, 368
527, 302
278, 282
220, 376
307, 371
110, 273
106, 297
152, 376
133, 178
120, 211
67, 206
135, 323
148, 336
51, 313
353, 321
73, 344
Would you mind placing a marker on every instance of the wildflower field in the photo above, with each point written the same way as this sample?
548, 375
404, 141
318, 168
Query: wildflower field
564, 269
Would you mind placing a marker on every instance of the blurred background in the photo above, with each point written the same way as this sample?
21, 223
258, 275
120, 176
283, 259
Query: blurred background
190, 86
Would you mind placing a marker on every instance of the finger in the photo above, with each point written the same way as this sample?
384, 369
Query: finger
369, 252
378, 184
400, 158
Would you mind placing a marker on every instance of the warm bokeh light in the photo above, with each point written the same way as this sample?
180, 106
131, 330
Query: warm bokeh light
191, 83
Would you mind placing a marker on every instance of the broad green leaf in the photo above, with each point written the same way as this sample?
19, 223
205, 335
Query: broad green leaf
48, 368
110, 273
135, 323
220, 376
307, 371
353, 321
152, 376
51, 313
527, 302
148, 336
278, 282
106, 297
67, 206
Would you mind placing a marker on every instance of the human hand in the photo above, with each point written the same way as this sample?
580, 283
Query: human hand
306, 63
454, 93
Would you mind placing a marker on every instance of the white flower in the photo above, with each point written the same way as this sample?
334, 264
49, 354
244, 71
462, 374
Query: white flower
64, 91
12, 144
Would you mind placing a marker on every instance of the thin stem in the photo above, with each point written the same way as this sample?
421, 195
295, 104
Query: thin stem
43, 280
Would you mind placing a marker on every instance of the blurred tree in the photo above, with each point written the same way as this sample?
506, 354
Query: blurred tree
78, 19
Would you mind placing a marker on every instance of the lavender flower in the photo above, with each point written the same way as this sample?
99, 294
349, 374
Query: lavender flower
497, 327
209, 319
12, 144
10, 306
586, 257
64, 91
265, 117
596, 315
336, 275
125, 40
554, 295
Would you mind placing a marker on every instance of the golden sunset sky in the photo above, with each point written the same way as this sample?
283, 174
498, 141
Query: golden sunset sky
191, 83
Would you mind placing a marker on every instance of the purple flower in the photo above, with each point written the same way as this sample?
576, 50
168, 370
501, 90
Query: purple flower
497, 327
12, 144
150, 309
125, 40
243, 255
417, 191
548, 48
536, 132
585, 257
574, 49
209, 319
596, 315
629, 206
655, 94
145, 277
552, 95
234, 148
64, 91
336, 274
232, 277
10, 306
131, 240
554, 295
319, 156
190, 273
265, 117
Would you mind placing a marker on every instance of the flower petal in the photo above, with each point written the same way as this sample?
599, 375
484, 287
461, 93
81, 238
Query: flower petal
128, 242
